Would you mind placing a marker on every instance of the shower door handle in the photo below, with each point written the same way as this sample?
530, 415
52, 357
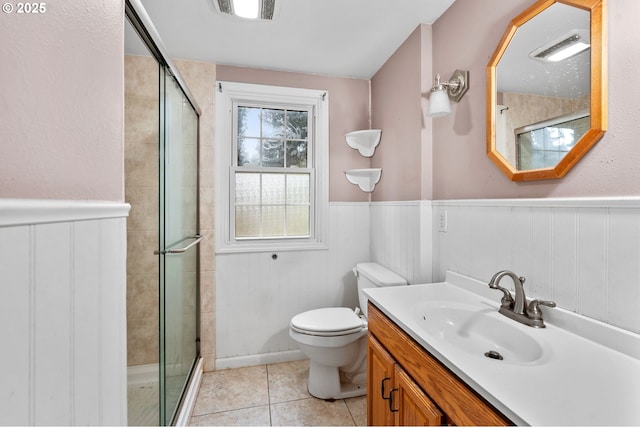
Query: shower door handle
198, 238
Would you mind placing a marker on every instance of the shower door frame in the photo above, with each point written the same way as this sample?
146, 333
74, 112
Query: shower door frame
168, 414
141, 22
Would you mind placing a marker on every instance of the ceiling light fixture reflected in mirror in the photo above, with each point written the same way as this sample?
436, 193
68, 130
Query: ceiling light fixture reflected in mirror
562, 48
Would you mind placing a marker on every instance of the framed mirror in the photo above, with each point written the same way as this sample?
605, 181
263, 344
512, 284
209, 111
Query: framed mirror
547, 89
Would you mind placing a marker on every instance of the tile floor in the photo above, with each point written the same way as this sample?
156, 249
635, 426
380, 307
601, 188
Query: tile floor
270, 395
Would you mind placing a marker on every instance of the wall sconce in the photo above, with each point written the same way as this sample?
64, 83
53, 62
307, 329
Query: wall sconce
441, 92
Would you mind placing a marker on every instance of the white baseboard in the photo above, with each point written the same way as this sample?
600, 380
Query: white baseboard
259, 359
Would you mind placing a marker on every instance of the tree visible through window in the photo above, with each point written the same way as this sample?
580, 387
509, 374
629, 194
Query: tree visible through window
273, 171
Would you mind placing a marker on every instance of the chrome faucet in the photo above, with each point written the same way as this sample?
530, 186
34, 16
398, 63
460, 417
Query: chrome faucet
515, 309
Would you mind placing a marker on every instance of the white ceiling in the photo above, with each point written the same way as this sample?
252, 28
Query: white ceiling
347, 38
519, 73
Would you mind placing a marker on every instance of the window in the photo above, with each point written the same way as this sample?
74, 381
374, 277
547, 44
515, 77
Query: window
544, 145
272, 172
271, 151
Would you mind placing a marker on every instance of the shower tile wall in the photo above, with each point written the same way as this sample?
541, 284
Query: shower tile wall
141, 191
141, 181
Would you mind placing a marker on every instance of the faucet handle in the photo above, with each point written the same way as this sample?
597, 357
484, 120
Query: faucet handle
533, 310
507, 300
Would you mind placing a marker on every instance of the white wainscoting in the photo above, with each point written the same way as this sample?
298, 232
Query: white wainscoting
584, 254
62, 312
256, 296
401, 236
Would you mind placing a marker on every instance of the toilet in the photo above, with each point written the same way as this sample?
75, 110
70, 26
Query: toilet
335, 339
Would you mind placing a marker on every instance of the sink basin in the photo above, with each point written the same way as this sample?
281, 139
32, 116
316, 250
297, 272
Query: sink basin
476, 329
593, 367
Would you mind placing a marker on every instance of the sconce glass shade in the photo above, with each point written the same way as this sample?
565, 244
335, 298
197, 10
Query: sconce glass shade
439, 103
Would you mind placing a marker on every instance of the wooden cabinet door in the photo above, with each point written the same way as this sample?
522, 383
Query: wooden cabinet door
380, 381
413, 407
460, 403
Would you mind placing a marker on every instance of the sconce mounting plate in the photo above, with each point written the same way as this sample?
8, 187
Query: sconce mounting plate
458, 85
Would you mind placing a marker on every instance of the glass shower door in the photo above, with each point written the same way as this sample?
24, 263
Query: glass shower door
178, 227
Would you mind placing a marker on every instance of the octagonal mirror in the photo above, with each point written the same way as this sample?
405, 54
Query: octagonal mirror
547, 89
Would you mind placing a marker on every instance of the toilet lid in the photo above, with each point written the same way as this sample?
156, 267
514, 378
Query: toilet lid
328, 321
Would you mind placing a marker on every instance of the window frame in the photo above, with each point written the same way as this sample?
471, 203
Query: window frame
228, 96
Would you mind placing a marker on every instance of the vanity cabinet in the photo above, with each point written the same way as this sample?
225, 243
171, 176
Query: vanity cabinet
398, 400
408, 386
380, 376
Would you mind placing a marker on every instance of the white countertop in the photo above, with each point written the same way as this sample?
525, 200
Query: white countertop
589, 373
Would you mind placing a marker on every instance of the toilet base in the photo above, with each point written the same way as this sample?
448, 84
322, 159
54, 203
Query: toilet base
324, 383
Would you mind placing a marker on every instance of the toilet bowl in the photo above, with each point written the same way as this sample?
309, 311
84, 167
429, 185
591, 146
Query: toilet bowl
335, 339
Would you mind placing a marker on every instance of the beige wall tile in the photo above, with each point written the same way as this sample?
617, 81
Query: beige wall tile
142, 296
142, 341
143, 215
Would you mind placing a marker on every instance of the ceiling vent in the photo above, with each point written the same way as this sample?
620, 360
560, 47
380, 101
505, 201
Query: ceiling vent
565, 47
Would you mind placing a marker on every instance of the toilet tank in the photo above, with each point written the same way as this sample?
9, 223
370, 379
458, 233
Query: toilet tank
372, 275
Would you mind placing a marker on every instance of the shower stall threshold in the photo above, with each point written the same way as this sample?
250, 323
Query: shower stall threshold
143, 395
190, 395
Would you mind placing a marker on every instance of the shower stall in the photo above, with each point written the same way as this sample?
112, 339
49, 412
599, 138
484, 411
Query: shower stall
161, 184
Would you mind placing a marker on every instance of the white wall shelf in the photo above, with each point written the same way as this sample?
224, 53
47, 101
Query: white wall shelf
366, 179
365, 141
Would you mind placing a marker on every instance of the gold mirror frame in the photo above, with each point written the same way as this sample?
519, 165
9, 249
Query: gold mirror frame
598, 107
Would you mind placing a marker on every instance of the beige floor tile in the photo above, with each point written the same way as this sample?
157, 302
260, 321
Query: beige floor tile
231, 389
242, 397
358, 409
288, 381
256, 416
311, 412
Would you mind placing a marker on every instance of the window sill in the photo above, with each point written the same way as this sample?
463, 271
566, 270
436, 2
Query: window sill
270, 247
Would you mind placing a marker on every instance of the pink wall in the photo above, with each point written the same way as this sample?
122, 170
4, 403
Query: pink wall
398, 92
461, 167
62, 102
348, 111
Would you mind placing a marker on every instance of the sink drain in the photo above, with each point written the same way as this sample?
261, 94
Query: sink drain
493, 355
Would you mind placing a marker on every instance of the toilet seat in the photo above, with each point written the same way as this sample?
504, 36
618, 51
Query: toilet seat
330, 321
